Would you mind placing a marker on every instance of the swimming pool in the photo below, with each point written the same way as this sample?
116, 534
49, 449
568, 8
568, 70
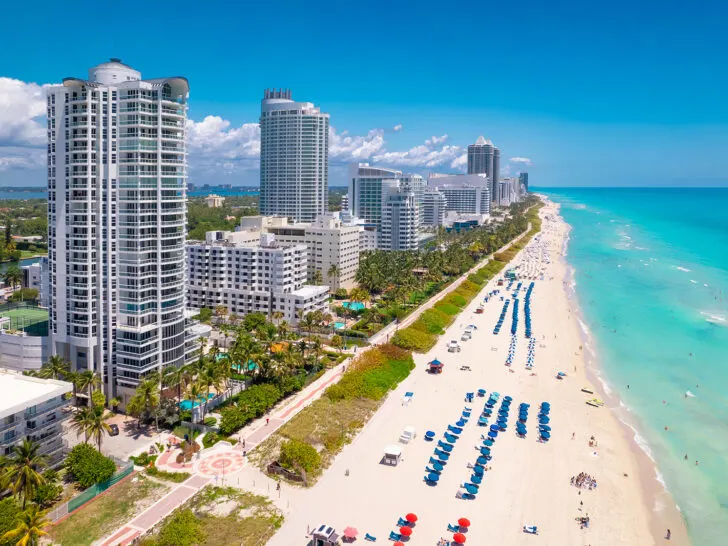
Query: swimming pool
188, 405
339, 325
353, 305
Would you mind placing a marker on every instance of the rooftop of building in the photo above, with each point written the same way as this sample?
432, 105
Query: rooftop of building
21, 391
310, 290
23, 317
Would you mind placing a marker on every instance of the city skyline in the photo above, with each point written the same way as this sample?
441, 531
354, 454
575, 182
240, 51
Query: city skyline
568, 100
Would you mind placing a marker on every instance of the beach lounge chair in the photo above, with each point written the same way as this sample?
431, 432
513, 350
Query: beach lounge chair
403, 522
429, 471
453, 528
466, 408
369, 537
394, 536
454, 430
530, 529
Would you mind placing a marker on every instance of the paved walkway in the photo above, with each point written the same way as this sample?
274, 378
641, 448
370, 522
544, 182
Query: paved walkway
205, 470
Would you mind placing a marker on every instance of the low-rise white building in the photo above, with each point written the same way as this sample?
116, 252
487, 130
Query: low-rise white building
266, 277
214, 201
36, 276
33, 408
465, 193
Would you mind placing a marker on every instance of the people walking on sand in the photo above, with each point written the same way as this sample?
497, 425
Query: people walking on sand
668, 534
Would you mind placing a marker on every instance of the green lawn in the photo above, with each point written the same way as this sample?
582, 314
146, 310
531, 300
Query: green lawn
107, 512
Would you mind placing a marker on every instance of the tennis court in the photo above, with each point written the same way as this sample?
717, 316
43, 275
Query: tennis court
32, 320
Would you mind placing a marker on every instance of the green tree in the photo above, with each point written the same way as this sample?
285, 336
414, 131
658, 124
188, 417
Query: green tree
81, 422
21, 470
29, 528
56, 367
333, 273
13, 276
146, 398
97, 425
86, 466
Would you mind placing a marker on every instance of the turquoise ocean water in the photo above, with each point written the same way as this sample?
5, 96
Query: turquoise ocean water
651, 278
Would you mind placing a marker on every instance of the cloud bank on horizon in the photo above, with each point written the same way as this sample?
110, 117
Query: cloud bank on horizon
217, 149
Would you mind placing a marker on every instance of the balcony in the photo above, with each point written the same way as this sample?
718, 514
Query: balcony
43, 410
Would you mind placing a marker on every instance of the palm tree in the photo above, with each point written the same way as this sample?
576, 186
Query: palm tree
88, 380
29, 528
308, 322
333, 273
13, 276
56, 367
82, 421
21, 470
176, 376
276, 316
146, 397
97, 425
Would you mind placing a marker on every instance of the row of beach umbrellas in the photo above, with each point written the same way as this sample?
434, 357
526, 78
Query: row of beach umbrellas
511, 350
531, 353
522, 418
444, 447
514, 319
527, 310
518, 288
544, 428
502, 317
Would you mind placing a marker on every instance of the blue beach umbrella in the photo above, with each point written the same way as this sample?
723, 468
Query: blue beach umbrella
479, 469
461, 423
493, 427
476, 479
471, 488
488, 442
433, 477
544, 420
493, 434
442, 456
544, 427
429, 435
438, 466
481, 460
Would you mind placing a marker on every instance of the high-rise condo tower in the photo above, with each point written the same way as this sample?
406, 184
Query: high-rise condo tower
294, 157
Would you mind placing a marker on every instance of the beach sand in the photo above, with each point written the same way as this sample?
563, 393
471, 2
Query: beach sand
529, 482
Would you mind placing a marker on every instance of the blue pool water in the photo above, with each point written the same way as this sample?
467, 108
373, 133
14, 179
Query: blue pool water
339, 325
188, 405
650, 274
353, 305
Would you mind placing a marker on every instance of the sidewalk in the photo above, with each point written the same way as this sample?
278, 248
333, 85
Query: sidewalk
260, 430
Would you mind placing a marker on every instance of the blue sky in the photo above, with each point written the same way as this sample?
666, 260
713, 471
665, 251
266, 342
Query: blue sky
590, 93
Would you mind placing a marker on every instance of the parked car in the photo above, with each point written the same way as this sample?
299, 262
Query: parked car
453, 346
114, 430
466, 335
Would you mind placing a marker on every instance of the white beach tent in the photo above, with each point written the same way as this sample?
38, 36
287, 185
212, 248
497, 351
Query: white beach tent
392, 454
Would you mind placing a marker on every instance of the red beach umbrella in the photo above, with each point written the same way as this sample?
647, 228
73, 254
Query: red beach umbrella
405, 531
458, 538
464, 522
351, 532
411, 517
398, 543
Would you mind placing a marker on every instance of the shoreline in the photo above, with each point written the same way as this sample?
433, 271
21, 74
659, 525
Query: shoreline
662, 509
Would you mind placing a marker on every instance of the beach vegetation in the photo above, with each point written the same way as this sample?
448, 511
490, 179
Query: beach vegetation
297, 455
86, 466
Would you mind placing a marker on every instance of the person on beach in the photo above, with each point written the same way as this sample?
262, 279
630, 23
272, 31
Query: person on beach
668, 534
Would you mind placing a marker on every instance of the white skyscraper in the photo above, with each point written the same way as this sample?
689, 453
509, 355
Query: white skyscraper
116, 222
294, 157
434, 207
399, 221
465, 193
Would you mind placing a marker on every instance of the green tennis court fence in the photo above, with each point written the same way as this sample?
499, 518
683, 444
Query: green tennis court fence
89, 494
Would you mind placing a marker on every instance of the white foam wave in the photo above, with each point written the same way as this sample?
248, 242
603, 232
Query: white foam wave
680, 268
715, 318
690, 394
694, 282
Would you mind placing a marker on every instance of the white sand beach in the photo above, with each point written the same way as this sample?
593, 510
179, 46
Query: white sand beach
529, 481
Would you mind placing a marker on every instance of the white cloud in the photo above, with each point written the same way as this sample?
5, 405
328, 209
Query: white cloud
344, 148
397, 127
17, 157
22, 113
524, 160
461, 162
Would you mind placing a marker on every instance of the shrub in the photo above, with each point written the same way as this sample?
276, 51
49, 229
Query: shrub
86, 466
185, 415
432, 321
341, 294
211, 438
295, 454
143, 459
182, 529
249, 404
9, 511
414, 340
176, 477
210, 421
447, 308
456, 299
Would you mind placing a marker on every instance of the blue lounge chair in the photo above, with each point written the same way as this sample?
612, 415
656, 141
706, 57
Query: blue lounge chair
369, 537
530, 529
453, 528
454, 430
429, 471
394, 536
402, 522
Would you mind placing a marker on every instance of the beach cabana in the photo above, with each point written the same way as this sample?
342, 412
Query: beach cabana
392, 455
324, 535
435, 366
